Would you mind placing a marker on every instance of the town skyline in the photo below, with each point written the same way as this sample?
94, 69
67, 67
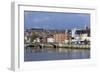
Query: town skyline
55, 20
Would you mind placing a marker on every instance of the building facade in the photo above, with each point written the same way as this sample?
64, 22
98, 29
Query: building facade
60, 37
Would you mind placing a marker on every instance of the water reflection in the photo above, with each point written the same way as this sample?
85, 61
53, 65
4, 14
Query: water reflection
39, 54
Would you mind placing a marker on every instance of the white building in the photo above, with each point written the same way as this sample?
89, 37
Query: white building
73, 34
50, 40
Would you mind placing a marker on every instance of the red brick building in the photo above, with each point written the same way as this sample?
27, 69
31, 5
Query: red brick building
60, 37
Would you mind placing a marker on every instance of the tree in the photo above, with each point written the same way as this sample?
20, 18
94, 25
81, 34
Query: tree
33, 37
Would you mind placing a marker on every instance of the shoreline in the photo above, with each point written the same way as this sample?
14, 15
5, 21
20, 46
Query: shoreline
72, 46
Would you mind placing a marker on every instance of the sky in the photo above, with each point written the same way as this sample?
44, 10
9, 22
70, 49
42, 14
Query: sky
55, 20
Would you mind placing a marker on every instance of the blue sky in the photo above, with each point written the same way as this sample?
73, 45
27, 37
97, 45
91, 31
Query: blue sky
55, 20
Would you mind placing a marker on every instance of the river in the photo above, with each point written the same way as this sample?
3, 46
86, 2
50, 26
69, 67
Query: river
44, 54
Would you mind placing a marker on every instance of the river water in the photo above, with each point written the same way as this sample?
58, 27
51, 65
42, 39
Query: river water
44, 54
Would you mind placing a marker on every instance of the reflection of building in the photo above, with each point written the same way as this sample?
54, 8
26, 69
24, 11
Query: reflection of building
60, 37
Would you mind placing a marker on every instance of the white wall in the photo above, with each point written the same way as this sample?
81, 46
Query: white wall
5, 40
50, 40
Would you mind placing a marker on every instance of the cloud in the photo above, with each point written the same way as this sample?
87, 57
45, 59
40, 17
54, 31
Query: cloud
41, 19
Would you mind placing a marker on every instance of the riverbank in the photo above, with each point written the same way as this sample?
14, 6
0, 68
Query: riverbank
69, 46
49, 45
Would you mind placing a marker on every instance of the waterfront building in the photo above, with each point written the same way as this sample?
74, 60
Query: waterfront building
80, 35
60, 37
50, 39
73, 32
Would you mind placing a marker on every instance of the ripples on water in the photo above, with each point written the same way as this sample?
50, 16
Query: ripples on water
40, 54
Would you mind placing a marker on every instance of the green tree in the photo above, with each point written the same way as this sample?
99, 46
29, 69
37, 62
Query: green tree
33, 37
